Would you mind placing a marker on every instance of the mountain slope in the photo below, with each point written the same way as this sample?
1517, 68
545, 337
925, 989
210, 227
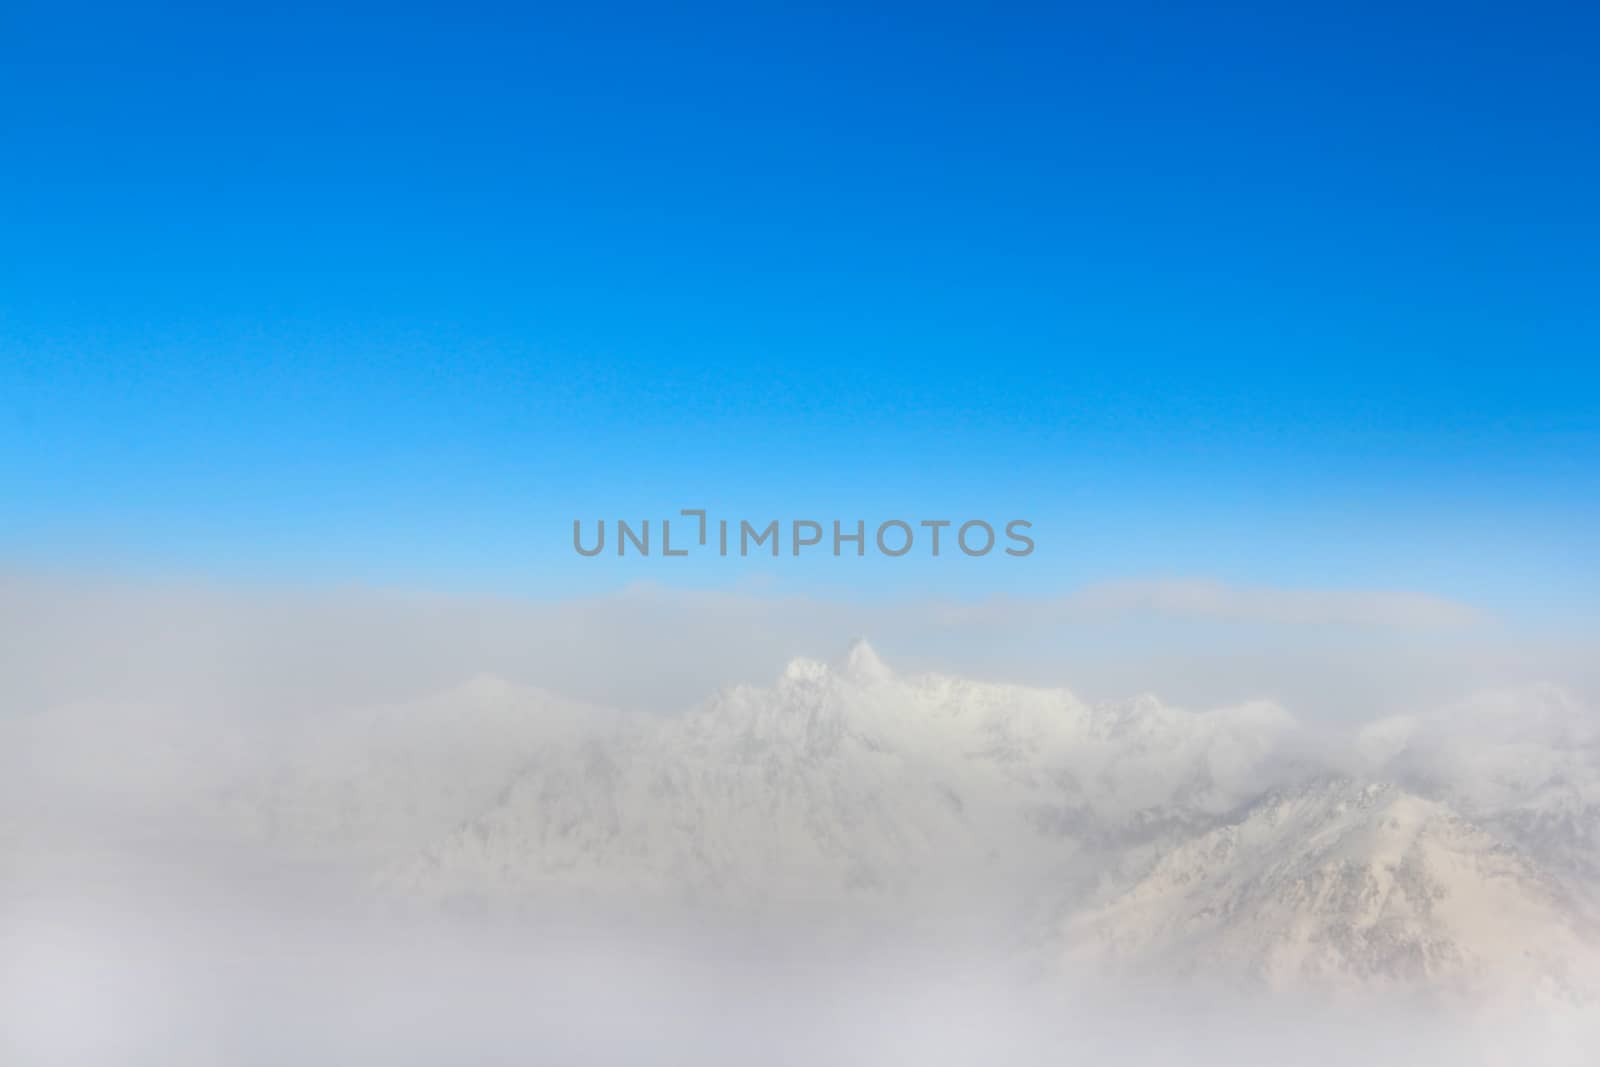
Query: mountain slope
1525, 764
1343, 885
854, 784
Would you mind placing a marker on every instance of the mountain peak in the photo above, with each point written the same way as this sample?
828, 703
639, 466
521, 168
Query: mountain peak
863, 664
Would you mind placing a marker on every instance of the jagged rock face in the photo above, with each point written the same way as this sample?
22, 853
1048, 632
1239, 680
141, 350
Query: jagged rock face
859, 788
1525, 765
1345, 884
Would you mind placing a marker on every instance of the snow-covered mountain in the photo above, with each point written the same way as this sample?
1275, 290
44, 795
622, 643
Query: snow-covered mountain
1525, 764
1456, 856
851, 785
1342, 884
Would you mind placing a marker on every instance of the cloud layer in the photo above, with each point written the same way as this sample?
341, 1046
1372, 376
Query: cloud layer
1328, 655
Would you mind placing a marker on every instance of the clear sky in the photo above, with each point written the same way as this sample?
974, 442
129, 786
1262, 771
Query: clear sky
1290, 295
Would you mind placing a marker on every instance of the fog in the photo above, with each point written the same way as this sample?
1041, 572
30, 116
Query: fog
113, 966
1338, 655
178, 888
170, 976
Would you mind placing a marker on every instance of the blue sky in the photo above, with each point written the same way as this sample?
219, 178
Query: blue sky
1277, 296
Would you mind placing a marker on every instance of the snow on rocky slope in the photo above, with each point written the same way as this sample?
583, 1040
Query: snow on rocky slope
1342, 884
854, 785
1526, 764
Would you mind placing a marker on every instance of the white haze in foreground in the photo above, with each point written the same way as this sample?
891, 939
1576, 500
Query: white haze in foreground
845, 863
180, 984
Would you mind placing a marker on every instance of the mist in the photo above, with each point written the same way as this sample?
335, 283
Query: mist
356, 826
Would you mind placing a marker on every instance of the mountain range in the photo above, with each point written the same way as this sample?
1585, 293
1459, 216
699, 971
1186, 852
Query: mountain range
1451, 855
